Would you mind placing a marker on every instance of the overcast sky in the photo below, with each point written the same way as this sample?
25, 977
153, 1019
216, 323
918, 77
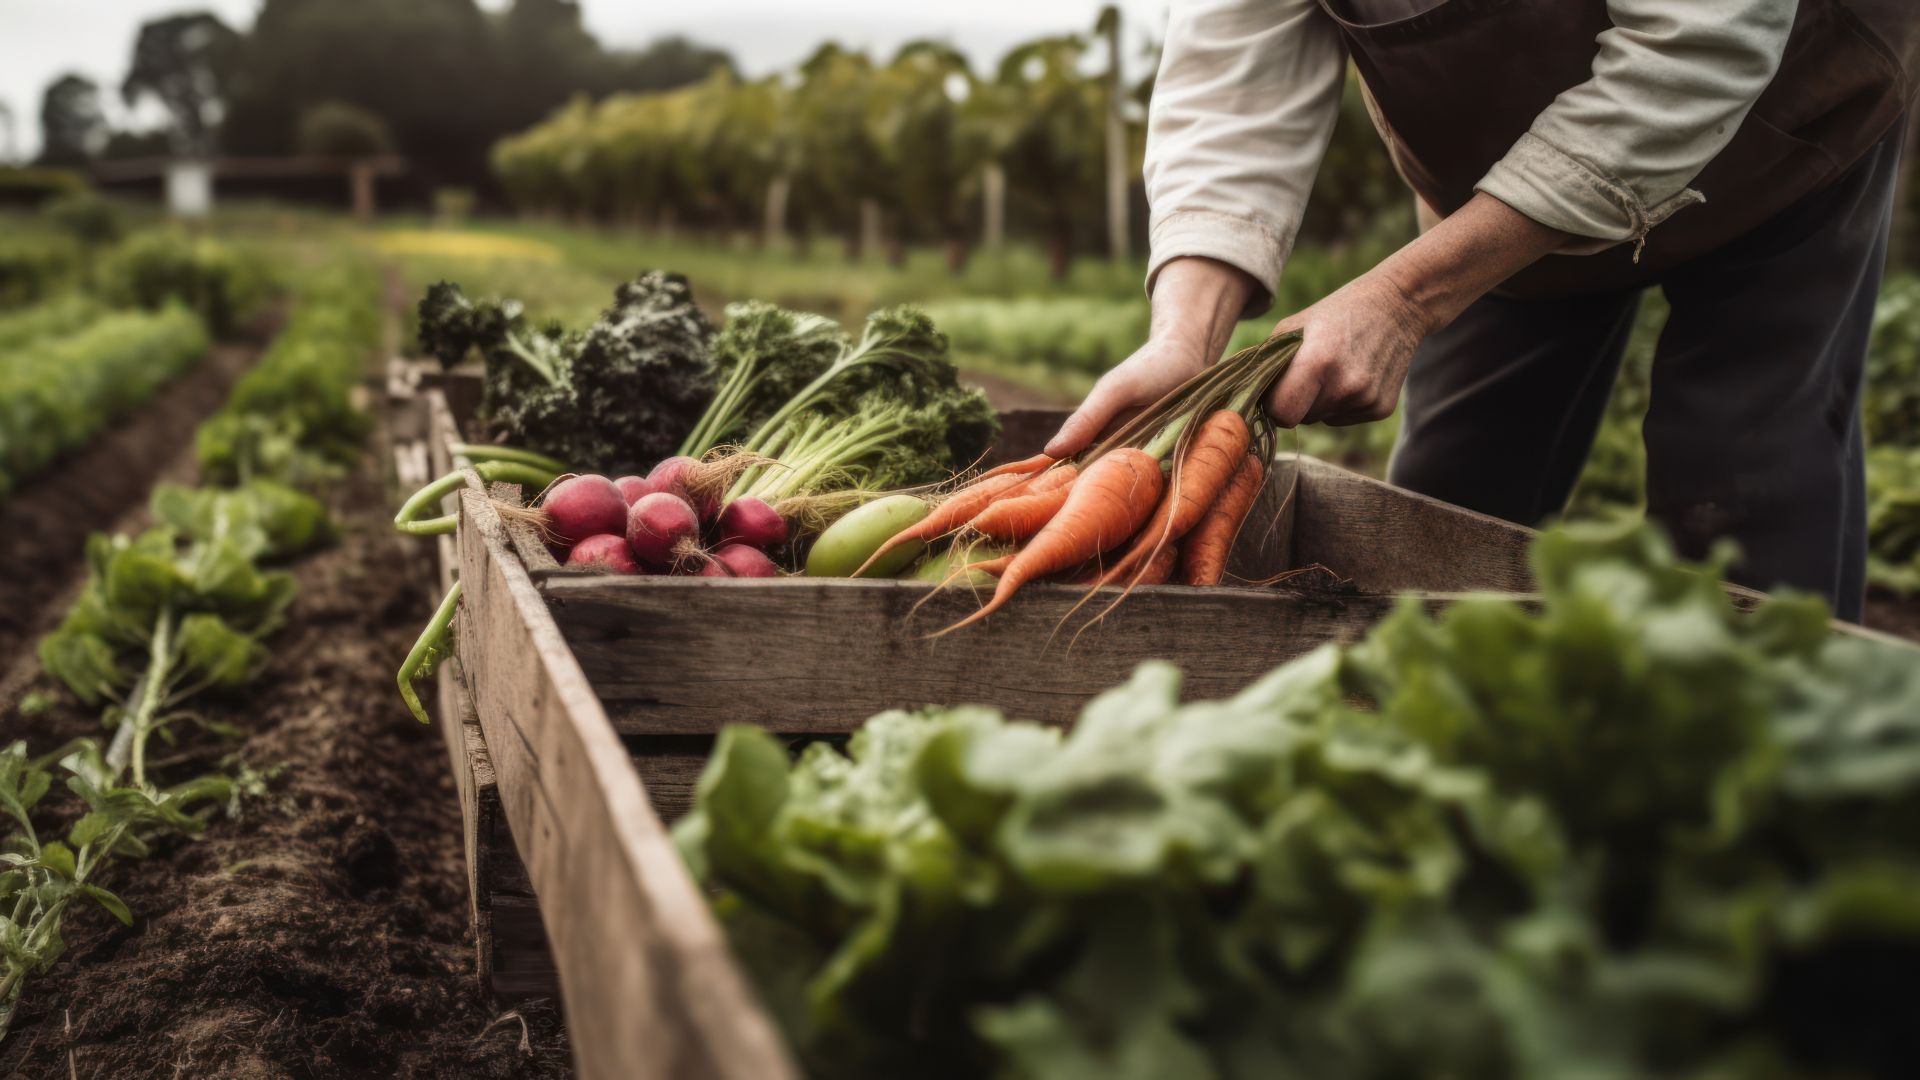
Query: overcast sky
43, 39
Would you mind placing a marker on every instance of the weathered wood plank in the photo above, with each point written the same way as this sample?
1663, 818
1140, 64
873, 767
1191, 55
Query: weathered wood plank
668, 1001
691, 655
669, 767
1387, 539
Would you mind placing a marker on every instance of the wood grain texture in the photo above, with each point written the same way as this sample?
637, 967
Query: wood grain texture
649, 985
670, 655
1389, 540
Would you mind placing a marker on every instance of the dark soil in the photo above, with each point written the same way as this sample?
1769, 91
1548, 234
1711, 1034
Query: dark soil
323, 933
1897, 615
47, 522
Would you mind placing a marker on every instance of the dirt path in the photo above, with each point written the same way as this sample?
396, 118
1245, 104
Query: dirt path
324, 932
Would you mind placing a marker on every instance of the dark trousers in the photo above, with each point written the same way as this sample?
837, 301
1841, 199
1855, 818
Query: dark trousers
1753, 431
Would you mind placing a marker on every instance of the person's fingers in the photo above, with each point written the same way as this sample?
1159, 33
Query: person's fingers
1114, 392
1300, 387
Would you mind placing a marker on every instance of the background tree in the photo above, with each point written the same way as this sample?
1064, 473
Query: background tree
187, 63
335, 129
1055, 159
842, 170
72, 126
428, 68
932, 156
9, 137
547, 56
668, 62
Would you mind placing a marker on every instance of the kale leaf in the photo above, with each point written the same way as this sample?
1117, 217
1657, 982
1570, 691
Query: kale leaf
613, 398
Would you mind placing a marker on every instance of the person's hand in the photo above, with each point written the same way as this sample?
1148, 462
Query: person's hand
1195, 305
1354, 353
1359, 340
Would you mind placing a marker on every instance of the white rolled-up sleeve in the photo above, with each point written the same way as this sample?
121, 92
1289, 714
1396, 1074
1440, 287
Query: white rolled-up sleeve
1245, 101
1673, 80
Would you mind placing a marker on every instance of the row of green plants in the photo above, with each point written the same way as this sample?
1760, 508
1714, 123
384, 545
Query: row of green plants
1626, 832
108, 340
59, 392
172, 619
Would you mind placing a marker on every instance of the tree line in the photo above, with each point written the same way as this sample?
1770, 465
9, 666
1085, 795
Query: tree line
438, 81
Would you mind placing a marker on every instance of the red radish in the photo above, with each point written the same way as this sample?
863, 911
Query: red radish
749, 521
632, 487
606, 552
712, 568
745, 561
661, 529
584, 506
675, 475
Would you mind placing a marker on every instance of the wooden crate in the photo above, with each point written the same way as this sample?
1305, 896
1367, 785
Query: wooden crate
586, 705
594, 701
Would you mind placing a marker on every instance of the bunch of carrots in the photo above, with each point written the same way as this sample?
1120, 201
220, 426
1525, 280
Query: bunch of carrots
1165, 494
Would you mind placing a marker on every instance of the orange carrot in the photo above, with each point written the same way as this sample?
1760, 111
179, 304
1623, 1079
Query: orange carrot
1203, 558
1108, 504
1017, 517
1160, 568
996, 567
954, 512
1203, 471
1028, 465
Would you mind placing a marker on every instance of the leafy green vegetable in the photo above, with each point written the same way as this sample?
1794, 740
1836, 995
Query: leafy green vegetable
615, 398
262, 519
1893, 518
1628, 833
163, 267
157, 624
885, 411
57, 392
292, 417
769, 354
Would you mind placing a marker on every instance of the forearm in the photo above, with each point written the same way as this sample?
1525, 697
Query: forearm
1465, 257
1245, 101
1196, 303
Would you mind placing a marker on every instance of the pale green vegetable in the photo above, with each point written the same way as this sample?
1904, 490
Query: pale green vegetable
854, 538
945, 567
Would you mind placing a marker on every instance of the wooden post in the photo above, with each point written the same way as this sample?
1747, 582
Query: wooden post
993, 208
774, 227
360, 175
871, 231
1118, 241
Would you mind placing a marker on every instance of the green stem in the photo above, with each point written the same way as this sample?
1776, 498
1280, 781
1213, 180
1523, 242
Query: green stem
130, 741
484, 452
410, 521
538, 363
720, 415
431, 640
1169, 437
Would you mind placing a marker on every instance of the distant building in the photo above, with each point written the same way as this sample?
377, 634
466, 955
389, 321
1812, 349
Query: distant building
190, 187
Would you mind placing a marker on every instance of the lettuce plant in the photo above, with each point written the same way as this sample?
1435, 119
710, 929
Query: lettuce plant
1627, 832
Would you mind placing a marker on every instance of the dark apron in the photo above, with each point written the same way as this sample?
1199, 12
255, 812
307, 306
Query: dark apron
1454, 87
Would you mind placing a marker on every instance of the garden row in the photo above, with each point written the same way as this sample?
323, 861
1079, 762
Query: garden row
100, 345
177, 612
1612, 817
